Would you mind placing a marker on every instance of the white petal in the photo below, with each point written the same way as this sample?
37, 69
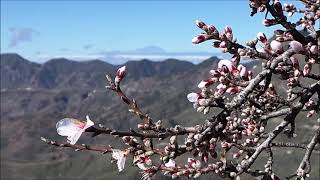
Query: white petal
89, 122
68, 126
141, 166
120, 157
170, 163
202, 84
192, 97
74, 138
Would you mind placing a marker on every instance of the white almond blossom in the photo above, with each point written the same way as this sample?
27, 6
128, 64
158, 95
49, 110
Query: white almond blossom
72, 128
120, 157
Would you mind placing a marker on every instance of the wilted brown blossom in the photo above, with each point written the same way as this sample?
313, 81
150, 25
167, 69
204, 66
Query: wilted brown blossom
246, 101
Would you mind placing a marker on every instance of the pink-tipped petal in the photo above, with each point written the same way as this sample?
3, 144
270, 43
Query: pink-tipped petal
199, 39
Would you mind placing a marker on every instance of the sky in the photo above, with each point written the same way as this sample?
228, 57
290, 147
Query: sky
40, 30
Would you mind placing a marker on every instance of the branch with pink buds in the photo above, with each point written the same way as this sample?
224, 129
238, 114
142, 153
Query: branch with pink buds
241, 101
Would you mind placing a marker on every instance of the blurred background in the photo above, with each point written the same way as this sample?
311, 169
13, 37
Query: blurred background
54, 57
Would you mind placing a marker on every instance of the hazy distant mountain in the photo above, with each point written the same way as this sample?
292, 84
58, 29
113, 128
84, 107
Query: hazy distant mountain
35, 96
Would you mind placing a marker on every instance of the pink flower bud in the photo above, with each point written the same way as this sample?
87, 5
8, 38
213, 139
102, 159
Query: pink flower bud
296, 46
233, 90
226, 63
205, 83
121, 73
211, 29
215, 73
262, 37
314, 49
200, 24
276, 47
199, 39
261, 8
227, 30
269, 22
307, 69
223, 44
243, 71
221, 89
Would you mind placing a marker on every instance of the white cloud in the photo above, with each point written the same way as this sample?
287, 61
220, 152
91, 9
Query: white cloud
21, 34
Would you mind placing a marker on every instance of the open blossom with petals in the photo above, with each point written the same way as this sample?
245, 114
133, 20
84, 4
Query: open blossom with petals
205, 83
307, 69
72, 128
120, 157
193, 163
199, 39
296, 46
121, 73
276, 46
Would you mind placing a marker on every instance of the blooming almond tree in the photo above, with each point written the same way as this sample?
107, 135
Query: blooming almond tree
229, 142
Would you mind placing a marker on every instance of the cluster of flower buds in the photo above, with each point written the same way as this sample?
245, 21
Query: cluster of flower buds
259, 5
250, 126
268, 166
289, 8
130, 140
237, 154
210, 32
310, 16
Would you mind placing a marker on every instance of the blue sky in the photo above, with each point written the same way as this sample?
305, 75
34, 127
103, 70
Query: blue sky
45, 29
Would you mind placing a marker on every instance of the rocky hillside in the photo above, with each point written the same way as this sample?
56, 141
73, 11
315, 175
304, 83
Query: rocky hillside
35, 96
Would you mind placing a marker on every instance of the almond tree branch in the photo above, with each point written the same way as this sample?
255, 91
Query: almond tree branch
305, 167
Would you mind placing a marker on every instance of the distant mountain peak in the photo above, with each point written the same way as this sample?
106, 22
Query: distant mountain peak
151, 50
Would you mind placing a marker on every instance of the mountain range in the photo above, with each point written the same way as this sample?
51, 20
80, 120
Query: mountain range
35, 96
